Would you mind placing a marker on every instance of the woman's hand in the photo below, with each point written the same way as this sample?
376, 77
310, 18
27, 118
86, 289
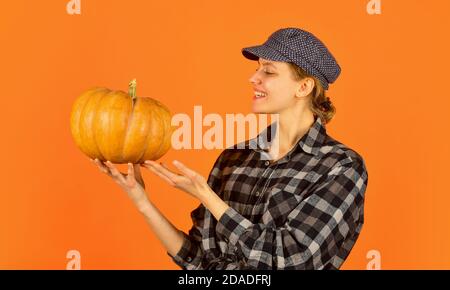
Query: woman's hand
189, 181
132, 182
192, 183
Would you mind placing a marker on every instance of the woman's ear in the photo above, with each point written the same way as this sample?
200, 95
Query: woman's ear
305, 88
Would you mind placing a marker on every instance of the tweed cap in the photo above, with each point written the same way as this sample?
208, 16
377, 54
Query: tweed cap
301, 48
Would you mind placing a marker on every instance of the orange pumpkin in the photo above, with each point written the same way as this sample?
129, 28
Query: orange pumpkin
120, 127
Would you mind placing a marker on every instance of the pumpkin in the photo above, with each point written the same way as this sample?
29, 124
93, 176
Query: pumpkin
120, 127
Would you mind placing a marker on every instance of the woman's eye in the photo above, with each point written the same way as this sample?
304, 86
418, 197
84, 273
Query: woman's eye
266, 72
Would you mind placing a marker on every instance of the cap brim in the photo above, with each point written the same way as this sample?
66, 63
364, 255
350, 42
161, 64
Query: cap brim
263, 51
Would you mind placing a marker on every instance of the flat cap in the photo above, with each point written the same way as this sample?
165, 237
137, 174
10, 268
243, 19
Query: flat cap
301, 48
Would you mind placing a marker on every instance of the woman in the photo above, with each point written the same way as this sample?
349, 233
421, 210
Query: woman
302, 209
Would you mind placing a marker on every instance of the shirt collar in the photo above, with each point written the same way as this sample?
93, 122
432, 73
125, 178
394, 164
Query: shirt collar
310, 143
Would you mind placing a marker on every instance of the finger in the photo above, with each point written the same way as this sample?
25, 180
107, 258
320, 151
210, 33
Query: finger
165, 166
131, 170
132, 181
185, 170
102, 167
194, 176
115, 173
152, 169
163, 170
185, 177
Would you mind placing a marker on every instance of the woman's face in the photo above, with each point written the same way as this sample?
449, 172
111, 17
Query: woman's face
275, 88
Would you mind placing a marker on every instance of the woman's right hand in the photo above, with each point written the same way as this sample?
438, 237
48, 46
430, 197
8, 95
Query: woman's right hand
132, 182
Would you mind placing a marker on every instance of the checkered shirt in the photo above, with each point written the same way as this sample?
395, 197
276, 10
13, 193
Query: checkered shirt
303, 211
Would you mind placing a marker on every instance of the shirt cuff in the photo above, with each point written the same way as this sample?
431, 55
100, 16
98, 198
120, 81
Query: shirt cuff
232, 225
186, 254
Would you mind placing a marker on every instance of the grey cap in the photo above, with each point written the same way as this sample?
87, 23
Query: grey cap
301, 48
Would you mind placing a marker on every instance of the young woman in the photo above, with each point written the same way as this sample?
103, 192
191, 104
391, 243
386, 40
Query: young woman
303, 208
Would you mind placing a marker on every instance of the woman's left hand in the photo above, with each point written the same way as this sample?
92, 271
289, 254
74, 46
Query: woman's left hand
188, 181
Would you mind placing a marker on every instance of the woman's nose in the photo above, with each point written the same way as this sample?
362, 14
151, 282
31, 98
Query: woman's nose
254, 78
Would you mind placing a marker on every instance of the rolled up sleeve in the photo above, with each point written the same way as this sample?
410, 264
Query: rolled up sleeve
190, 255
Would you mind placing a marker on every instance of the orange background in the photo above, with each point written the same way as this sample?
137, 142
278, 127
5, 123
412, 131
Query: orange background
391, 98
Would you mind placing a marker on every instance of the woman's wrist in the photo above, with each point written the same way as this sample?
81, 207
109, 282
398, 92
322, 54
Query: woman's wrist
213, 203
139, 198
143, 206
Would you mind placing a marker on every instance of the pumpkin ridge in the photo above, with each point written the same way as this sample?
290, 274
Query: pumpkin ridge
108, 100
77, 120
127, 132
162, 141
94, 116
120, 141
158, 118
166, 127
147, 139
94, 127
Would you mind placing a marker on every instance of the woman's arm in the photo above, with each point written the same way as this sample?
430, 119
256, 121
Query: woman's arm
191, 253
132, 183
318, 232
171, 238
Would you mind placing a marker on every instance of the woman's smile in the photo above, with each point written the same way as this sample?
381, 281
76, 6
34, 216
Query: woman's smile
259, 95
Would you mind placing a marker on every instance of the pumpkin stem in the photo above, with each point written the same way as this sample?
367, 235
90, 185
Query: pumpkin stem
132, 89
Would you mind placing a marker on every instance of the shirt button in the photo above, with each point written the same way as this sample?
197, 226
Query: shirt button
267, 163
189, 259
258, 193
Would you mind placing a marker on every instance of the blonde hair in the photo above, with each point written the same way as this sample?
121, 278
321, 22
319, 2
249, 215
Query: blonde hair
320, 104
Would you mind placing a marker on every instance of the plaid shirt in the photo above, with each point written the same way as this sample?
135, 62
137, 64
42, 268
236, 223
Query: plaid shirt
303, 211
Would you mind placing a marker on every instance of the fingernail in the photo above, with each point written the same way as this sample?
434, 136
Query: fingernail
176, 162
147, 161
